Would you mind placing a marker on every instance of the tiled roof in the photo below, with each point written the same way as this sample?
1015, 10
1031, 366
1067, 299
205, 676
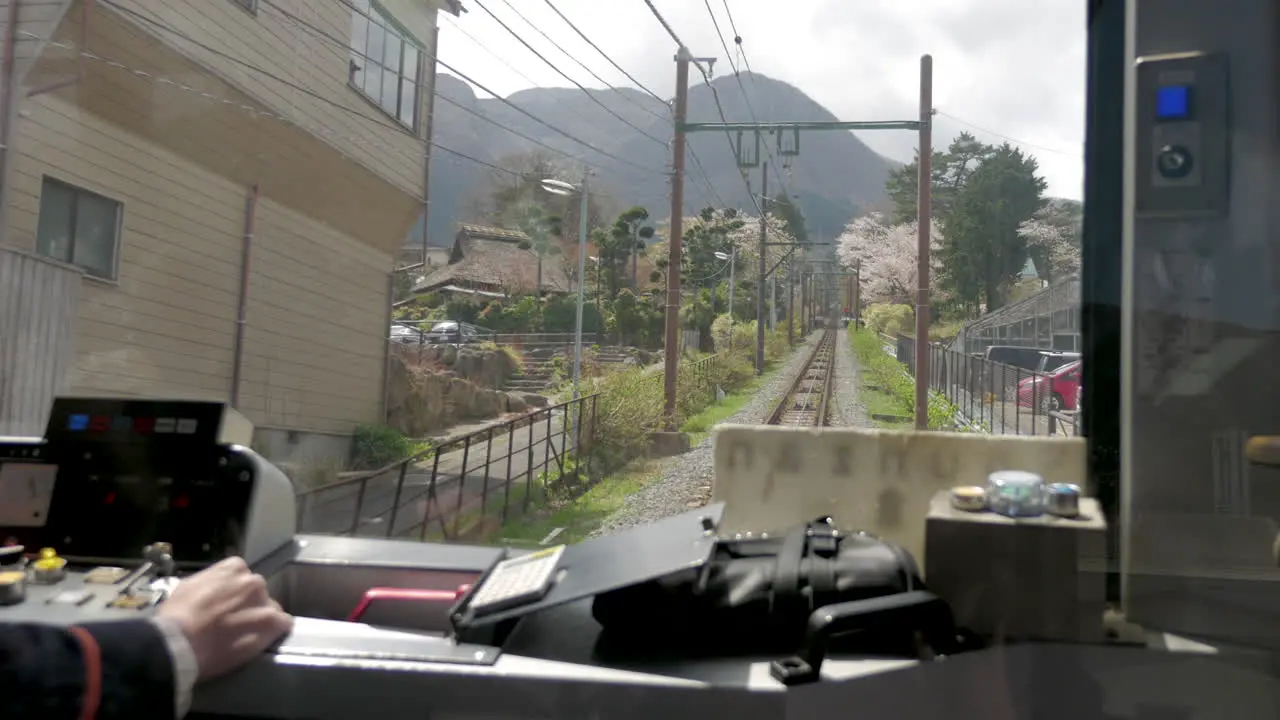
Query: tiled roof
493, 256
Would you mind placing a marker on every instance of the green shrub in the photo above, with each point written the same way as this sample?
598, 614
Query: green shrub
889, 319
376, 446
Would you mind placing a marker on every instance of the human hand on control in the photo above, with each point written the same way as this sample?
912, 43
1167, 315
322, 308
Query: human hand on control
226, 615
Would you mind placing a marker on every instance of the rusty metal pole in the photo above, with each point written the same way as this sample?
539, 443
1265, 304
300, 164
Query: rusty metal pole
8, 110
857, 292
924, 215
242, 302
672, 351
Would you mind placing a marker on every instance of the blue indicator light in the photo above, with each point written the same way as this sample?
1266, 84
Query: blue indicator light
1173, 102
78, 422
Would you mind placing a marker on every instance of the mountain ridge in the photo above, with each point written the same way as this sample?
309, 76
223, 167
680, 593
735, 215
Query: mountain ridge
835, 178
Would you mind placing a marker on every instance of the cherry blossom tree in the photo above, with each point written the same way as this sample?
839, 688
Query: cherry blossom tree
746, 240
887, 256
1053, 239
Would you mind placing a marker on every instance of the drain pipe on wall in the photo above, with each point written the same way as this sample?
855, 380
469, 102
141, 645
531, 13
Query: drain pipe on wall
242, 304
8, 73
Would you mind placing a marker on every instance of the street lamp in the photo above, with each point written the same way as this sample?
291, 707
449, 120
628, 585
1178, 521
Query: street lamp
560, 187
733, 252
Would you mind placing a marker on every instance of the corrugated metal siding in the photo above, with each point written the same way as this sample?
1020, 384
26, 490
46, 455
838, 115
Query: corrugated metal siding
39, 302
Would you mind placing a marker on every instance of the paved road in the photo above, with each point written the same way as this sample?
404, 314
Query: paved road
486, 473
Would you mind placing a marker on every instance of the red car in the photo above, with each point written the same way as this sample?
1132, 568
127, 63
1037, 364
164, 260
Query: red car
1056, 390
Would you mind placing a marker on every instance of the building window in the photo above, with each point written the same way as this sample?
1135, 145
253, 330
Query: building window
385, 62
79, 227
249, 5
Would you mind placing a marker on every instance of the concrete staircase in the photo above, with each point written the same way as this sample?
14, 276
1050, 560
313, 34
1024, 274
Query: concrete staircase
612, 354
535, 377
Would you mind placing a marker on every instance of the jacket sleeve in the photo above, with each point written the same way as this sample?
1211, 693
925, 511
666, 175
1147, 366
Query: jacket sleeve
97, 671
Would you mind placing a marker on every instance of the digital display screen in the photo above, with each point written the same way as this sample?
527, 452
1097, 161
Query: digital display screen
1173, 102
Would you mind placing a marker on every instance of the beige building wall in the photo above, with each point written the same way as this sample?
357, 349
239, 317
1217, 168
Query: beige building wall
180, 108
313, 355
305, 42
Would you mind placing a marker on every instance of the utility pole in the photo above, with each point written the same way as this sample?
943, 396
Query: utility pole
764, 214
672, 355
924, 218
430, 89
791, 307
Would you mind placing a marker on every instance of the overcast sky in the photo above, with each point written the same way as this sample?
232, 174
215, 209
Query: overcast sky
1003, 69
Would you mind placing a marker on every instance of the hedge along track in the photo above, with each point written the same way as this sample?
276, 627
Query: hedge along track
805, 404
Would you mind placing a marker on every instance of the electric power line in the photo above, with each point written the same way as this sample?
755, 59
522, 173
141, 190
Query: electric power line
581, 64
665, 25
706, 179
564, 75
343, 53
495, 55
1016, 141
606, 56
257, 112
323, 34
340, 43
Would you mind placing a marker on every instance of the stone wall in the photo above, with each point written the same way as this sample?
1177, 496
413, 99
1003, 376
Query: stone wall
423, 399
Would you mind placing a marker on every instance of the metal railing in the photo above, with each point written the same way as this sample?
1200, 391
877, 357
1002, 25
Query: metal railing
466, 486
1003, 399
997, 398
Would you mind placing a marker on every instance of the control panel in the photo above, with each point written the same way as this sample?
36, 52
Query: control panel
1182, 135
121, 497
111, 477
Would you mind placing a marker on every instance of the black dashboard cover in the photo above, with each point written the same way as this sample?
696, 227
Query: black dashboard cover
756, 595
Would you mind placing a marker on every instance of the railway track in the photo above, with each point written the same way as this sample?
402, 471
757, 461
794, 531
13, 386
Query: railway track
805, 404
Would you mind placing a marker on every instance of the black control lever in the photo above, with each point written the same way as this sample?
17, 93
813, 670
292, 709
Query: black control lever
158, 563
916, 610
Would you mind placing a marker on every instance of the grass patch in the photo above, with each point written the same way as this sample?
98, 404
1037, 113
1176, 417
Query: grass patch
583, 515
580, 516
699, 426
887, 388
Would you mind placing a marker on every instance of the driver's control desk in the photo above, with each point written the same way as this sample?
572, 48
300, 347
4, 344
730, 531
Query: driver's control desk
122, 498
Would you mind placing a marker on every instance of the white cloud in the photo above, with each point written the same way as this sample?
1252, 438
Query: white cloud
1013, 69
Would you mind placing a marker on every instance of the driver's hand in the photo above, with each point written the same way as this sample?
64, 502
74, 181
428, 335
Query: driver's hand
226, 615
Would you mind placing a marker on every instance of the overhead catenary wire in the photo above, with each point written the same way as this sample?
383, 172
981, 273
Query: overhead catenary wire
746, 98
737, 38
565, 75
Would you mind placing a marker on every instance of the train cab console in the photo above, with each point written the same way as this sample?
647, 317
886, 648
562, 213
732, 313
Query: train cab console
123, 498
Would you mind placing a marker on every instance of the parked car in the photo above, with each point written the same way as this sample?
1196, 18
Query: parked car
405, 335
1056, 390
452, 333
